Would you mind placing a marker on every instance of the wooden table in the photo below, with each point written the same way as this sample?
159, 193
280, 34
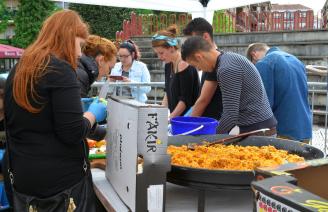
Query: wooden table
98, 163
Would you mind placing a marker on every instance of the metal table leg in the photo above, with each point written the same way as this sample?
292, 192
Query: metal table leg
201, 201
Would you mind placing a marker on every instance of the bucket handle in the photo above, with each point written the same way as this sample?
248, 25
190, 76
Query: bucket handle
193, 130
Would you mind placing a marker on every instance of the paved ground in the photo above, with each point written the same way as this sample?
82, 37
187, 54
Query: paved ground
183, 199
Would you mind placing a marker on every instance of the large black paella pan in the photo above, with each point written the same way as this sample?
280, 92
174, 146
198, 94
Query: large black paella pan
205, 178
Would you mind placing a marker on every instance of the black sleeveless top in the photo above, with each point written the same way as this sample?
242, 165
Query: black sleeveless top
182, 86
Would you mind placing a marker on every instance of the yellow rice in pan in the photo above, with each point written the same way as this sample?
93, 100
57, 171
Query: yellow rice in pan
230, 157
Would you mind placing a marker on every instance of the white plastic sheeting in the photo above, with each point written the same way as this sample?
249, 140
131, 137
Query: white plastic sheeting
190, 6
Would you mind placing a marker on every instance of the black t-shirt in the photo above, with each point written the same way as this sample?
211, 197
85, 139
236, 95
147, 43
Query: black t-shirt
87, 72
181, 86
46, 148
214, 108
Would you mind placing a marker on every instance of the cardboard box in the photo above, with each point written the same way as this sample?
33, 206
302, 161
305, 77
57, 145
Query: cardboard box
137, 161
292, 187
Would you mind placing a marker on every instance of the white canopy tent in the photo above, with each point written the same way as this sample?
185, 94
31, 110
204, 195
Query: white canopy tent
198, 8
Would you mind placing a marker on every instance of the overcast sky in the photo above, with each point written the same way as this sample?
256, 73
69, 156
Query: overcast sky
316, 5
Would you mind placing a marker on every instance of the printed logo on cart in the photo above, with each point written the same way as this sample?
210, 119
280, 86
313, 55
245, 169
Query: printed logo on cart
159, 142
284, 190
266, 204
320, 205
121, 141
152, 138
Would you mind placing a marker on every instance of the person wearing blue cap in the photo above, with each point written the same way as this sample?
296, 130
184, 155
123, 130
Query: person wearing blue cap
181, 80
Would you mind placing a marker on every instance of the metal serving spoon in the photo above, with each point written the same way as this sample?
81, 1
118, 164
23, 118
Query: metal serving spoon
232, 139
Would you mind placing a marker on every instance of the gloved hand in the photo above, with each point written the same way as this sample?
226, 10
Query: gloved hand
86, 103
98, 109
188, 113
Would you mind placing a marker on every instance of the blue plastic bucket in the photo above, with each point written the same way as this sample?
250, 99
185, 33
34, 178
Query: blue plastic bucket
181, 125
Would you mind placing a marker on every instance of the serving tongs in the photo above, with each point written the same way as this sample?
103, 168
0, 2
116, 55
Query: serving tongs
228, 140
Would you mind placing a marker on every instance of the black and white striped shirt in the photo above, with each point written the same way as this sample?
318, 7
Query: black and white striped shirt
244, 99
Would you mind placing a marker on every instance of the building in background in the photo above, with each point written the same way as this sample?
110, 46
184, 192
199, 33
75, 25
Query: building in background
273, 17
252, 17
62, 4
324, 14
12, 7
291, 17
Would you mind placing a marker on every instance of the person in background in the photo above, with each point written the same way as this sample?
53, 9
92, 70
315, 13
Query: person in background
2, 93
181, 79
99, 57
209, 103
285, 82
131, 70
245, 104
45, 124
2, 115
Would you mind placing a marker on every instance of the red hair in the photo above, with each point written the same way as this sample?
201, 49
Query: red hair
56, 37
96, 45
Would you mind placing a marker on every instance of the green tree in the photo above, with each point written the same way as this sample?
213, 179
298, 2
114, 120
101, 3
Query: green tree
3, 16
29, 18
103, 21
144, 11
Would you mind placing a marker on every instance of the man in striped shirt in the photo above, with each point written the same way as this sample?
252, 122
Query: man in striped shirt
245, 103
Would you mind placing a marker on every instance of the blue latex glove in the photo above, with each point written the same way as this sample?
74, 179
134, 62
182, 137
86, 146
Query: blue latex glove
86, 103
188, 113
98, 109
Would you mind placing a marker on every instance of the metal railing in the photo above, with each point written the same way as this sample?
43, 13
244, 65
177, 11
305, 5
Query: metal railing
317, 98
318, 102
227, 21
269, 21
149, 24
154, 91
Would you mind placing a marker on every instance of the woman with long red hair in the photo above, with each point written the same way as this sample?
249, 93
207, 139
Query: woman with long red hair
46, 128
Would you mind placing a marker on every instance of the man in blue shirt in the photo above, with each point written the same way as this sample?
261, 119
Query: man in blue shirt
285, 81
